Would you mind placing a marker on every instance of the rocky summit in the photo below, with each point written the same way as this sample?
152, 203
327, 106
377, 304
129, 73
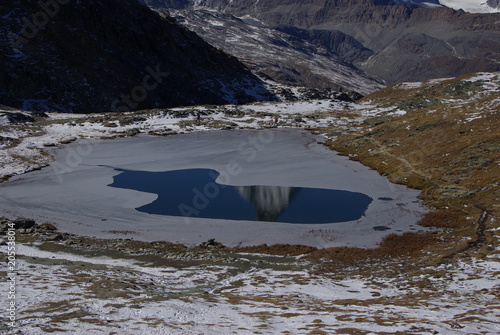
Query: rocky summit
110, 55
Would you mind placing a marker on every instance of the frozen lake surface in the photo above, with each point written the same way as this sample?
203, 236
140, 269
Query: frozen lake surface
88, 190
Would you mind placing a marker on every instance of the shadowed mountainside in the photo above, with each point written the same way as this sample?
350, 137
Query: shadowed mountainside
111, 55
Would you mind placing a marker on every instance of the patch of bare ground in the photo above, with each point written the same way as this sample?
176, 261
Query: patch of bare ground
405, 253
279, 249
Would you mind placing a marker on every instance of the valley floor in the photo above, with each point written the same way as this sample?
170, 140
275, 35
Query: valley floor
76, 285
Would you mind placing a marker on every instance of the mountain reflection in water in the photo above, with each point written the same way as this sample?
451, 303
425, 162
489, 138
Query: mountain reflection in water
195, 193
269, 201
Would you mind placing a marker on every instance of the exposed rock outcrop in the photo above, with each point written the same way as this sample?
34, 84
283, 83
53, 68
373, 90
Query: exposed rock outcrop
284, 57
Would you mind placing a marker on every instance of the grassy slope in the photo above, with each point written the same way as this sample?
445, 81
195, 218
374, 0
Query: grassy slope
448, 146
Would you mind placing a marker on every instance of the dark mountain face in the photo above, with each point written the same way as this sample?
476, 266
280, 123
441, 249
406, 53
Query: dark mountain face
390, 41
343, 45
408, 3
171, 4
89, 56
493, 3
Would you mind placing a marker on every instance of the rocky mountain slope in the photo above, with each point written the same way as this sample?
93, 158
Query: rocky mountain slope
281, 56
393, 42
111, 55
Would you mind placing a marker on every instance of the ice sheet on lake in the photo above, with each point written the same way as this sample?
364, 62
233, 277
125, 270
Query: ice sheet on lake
73, 191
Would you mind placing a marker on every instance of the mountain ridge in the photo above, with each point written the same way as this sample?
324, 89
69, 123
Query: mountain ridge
467, 42
282, 57
112, 56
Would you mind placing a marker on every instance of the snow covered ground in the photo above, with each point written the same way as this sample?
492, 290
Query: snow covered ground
35, 138
27, 146
67, 293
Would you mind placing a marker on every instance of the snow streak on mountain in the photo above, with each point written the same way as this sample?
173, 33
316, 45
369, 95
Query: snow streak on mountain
473, 6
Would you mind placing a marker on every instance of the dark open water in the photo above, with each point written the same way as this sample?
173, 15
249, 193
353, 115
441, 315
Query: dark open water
194, 193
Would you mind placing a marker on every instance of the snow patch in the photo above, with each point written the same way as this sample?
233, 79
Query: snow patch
471, 6
410, 85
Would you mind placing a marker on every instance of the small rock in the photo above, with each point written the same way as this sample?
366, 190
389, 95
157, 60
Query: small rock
456, 325
381, 228
212, 243
23, 223
48, 226
4, 226
110, 124
55, 237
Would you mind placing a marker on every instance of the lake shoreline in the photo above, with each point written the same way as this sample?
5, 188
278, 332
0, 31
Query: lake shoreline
291, 150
